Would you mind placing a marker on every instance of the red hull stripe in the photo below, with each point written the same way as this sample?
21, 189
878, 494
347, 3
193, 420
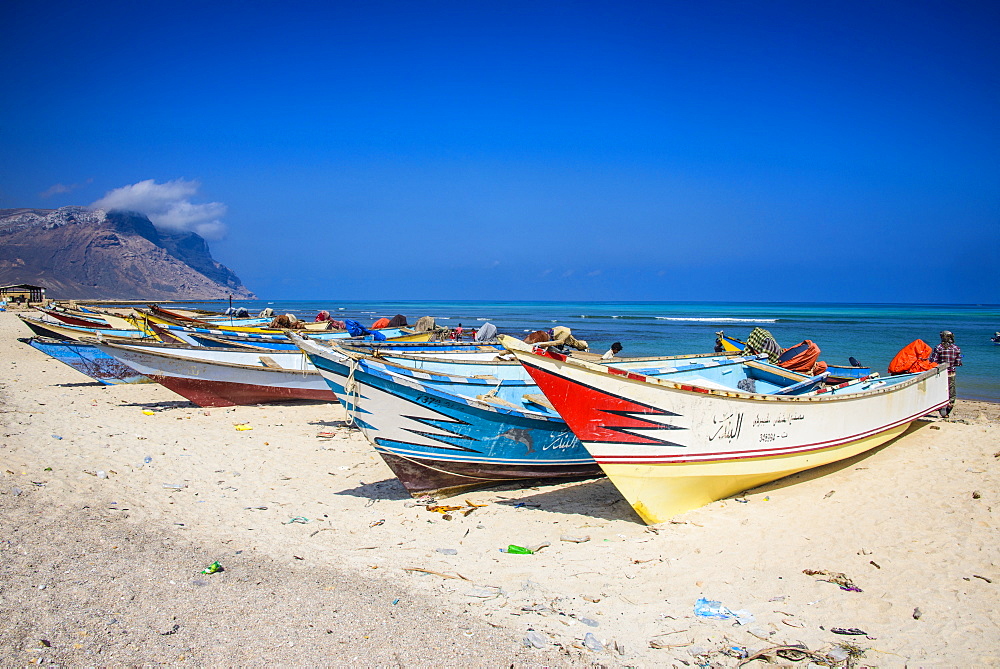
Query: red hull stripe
626, 373
220, 394
596, 416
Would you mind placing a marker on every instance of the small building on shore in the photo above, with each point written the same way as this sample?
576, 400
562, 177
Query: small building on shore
22, 293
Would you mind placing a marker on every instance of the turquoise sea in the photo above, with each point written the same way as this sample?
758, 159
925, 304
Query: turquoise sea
872, 333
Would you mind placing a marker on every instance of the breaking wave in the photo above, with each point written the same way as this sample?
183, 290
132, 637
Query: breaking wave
717, 320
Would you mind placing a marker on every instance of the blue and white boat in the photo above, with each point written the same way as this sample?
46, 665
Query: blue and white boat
447, 425
441, 433
87, 359
57, 330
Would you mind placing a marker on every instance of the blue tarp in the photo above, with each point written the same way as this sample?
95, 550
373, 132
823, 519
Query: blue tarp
358, 330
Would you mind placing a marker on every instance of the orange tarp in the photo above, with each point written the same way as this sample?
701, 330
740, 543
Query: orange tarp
804, 361
380, 323
912, 358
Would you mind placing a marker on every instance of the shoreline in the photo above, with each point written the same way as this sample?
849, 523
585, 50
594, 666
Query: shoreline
312, 529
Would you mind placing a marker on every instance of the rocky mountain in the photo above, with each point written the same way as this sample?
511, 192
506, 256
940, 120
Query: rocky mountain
80, 253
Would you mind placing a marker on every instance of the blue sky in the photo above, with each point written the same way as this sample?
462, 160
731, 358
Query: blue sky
774, 151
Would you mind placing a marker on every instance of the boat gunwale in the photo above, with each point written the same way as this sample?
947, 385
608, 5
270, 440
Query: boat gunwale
736, 395
125, 346
413, 383
79, 329
350, 352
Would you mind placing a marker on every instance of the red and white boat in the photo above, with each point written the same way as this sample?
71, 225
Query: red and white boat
217, 377
677, 442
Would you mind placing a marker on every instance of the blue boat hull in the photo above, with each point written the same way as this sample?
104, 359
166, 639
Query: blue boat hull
89, 360
438, 443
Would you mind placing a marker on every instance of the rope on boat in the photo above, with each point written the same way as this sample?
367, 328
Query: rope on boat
493, 393
353, 394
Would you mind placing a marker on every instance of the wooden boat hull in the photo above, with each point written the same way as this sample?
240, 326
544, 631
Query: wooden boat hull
731, 345
87, 359
70, 319
214, 378
429, 476
72, 332
437, 443
211, 318
214, 393
670, 447
659, 491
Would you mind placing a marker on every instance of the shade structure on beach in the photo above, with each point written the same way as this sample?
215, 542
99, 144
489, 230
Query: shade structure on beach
671, 445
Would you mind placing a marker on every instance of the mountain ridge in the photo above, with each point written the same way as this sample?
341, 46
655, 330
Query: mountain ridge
82, 253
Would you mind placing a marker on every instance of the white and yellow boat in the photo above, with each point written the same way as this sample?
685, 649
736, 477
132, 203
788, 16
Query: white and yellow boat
674, 443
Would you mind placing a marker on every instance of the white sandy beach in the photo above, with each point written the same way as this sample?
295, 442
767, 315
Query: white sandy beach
113, 499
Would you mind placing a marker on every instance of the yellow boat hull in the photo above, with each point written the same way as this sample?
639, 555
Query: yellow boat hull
416, 337
658, 492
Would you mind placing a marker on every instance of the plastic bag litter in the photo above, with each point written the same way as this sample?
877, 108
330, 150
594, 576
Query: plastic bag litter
712, 609
213, 568
536, 639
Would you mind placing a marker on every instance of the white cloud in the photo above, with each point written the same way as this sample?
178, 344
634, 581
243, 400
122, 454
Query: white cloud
168, 206
61, 188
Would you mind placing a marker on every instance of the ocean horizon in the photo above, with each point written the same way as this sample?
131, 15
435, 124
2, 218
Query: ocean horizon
872, 333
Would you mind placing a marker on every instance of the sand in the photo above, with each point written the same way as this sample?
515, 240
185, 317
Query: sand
114, 499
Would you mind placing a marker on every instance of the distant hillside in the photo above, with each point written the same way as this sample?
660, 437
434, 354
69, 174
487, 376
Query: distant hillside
80, 253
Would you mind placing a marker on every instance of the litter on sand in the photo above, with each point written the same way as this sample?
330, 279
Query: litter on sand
446, 509
851, 631
213, 568
712, 609
834, 577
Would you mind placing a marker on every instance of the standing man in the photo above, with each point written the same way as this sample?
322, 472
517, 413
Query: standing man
948, 352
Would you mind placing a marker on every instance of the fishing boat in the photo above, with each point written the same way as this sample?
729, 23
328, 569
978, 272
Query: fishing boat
672, 444
58, 330
74, 319
87, 359
215, 377
838, 373
201, 318
441, 433
444, 425
208, 335
85, 317
164, 317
